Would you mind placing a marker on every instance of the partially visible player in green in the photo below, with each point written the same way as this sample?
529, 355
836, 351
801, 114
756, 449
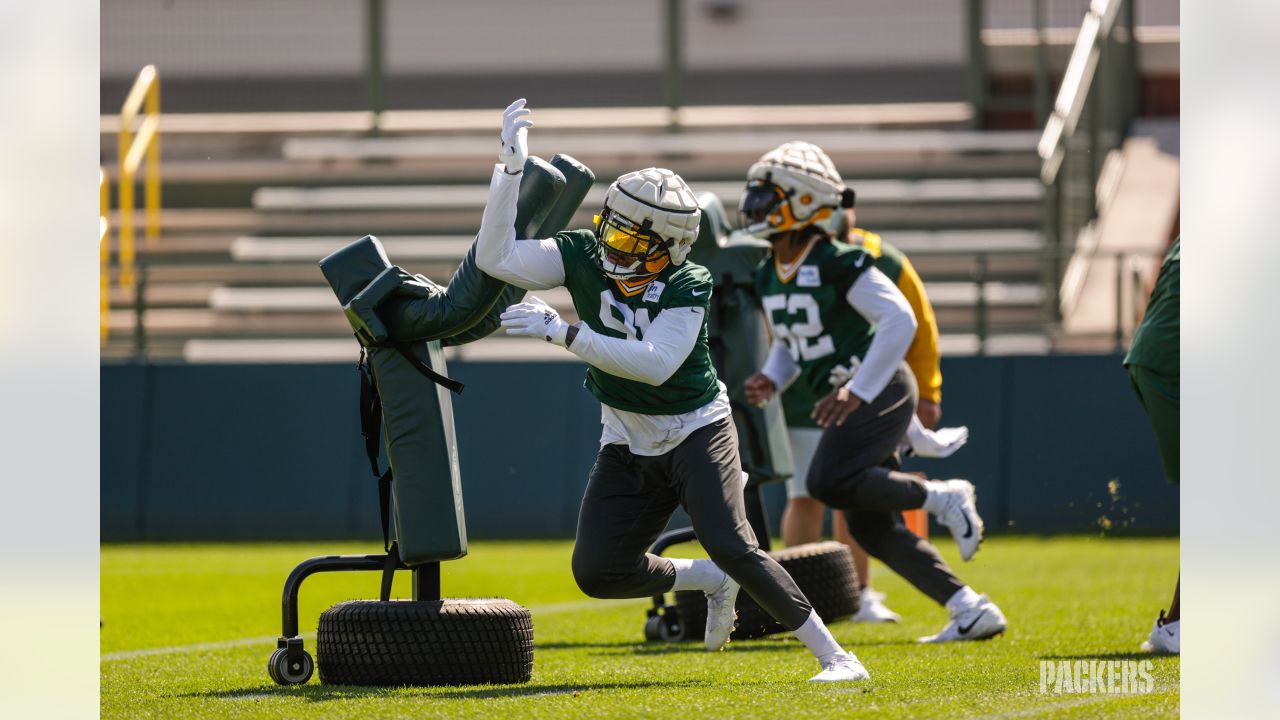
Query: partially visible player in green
1154, 370
841, 328
668, 438
803, 517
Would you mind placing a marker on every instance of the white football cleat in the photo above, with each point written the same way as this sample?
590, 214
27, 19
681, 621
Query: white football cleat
844, 667
1165, 638
721, 614
955, 506
873, 609
979, 621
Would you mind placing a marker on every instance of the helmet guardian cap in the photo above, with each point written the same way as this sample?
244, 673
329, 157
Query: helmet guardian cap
650, 218
791, 187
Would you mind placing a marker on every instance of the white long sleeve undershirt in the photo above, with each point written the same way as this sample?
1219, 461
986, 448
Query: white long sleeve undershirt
780, 367
666, 344
877, 299
528, 264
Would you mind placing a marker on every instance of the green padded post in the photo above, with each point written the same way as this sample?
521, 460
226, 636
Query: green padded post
578, 182
417, 416
426, 494
540, 187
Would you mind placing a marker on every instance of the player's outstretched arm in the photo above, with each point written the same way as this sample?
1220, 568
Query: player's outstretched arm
667, 342
877, 299
529, 264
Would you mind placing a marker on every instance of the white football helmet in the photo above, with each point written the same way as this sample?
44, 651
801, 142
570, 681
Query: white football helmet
650, 218
793, 186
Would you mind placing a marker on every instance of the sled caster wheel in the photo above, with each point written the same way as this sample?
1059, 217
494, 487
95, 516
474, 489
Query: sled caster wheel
287, 672
652, 627
663, 628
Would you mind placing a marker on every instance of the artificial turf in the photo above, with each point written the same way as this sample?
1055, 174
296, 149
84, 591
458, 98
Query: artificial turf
188, 629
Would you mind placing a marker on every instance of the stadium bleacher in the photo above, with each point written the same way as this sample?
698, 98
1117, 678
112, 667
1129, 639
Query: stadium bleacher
252, 201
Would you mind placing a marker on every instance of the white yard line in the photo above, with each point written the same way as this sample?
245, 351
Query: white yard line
536, 610
198, 647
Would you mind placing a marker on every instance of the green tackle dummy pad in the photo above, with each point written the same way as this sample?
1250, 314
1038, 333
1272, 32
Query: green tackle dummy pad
403, 321
740, 340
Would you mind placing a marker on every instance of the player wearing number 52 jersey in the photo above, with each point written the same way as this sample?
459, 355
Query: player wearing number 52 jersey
668, 439
841, 328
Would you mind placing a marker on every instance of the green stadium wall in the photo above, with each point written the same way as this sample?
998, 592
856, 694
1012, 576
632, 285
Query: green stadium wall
1058, 444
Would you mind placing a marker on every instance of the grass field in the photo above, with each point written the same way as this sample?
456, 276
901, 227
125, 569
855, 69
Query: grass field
188, 629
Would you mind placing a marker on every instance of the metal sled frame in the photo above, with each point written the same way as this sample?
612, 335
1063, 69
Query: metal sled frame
290, 652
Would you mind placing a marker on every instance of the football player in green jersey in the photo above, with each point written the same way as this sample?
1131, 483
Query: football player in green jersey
803, 516
842, 328
1154, 370
668, 438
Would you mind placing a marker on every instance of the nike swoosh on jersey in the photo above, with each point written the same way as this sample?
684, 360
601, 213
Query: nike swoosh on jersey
859, 261
696, 293
964, 629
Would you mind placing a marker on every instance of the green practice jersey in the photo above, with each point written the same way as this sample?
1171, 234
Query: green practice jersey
806, 308
1155, 343
608, 308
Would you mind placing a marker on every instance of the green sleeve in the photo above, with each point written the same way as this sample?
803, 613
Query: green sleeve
691, 287
843, 269
576, 248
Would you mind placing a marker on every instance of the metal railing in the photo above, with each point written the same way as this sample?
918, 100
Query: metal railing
1127, 291
135, 146
1090, 118
104, 256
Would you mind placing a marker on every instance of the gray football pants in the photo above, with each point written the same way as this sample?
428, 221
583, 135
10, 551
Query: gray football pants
630, 498
856, 470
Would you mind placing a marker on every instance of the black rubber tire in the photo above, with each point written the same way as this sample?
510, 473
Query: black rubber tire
823, 571
454, 641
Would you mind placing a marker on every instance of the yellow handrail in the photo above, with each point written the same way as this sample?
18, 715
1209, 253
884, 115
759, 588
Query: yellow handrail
104, 255
133, 149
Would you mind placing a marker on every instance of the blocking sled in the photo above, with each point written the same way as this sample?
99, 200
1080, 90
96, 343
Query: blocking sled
403, 322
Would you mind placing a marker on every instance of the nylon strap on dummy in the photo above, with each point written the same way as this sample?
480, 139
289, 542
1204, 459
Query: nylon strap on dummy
371, 430
442, 380
389, 570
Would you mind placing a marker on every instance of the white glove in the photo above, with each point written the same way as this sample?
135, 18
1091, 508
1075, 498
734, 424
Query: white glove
515, 136
940, 443
535, 318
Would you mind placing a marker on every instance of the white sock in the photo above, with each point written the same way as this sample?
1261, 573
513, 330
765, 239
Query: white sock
815, 636
963, 598
701, 575
935, 499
